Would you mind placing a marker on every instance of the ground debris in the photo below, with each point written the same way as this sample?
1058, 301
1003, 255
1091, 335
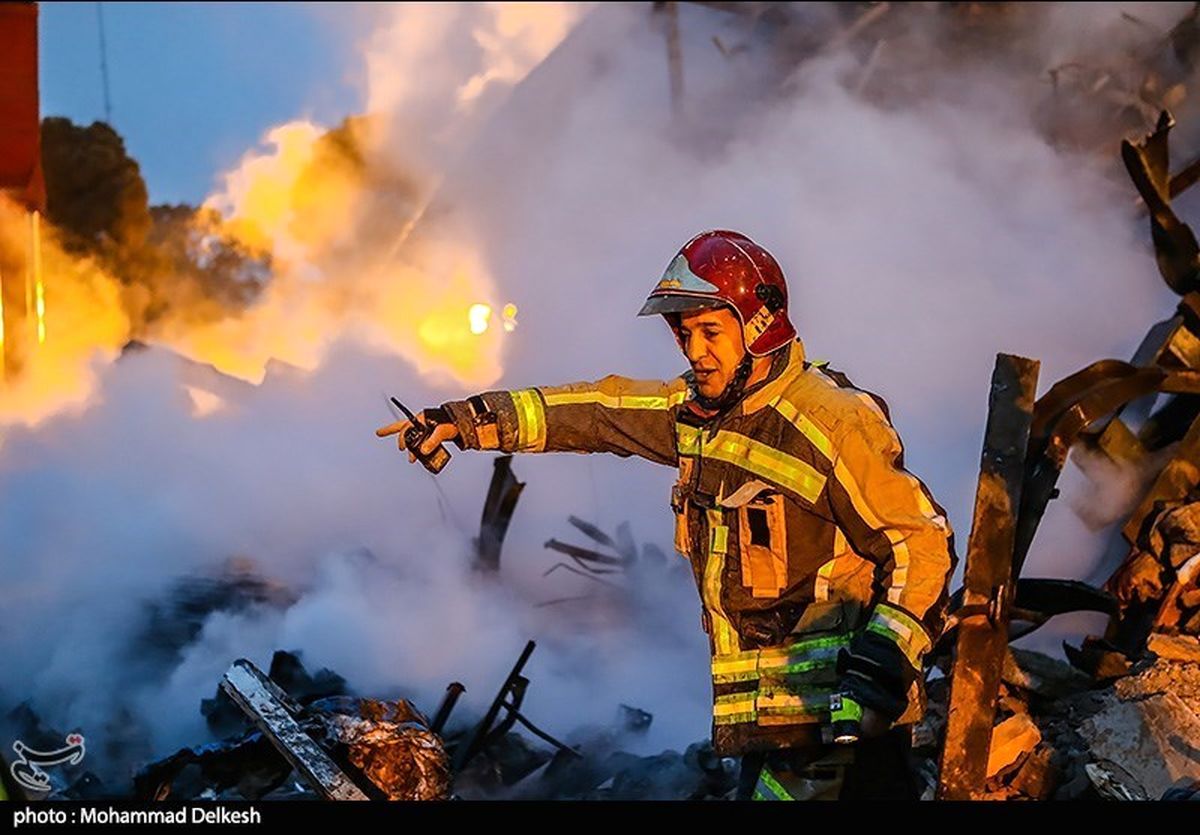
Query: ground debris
334, 746
1134, 736
1041, 675
1175, 647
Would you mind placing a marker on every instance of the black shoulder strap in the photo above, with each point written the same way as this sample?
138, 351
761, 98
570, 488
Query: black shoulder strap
844, 382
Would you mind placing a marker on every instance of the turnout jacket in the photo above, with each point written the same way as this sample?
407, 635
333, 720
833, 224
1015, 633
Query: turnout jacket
810, 544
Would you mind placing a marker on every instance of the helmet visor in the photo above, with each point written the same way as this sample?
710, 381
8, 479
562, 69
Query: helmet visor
679, 303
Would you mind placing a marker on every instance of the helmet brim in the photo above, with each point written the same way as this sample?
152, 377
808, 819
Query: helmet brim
679, 303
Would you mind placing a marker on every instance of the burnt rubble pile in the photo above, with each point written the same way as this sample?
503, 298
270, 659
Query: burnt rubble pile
292, 735
1120, 719
1158, 586
1062, 734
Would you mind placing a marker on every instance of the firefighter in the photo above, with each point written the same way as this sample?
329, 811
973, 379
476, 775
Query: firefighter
821, 562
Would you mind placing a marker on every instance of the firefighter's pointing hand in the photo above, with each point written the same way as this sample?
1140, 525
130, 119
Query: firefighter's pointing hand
443, 430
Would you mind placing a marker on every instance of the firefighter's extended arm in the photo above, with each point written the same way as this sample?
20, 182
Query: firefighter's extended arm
615, 414
889, 517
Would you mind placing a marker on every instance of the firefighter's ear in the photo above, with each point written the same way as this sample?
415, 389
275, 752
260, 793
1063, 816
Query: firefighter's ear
672, 320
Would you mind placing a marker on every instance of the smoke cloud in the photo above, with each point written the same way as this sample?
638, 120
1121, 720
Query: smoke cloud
532, 155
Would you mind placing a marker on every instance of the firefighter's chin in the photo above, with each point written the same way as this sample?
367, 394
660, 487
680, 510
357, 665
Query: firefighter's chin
710, 383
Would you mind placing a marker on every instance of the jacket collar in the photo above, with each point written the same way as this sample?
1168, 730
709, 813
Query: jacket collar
788, 360
785, 359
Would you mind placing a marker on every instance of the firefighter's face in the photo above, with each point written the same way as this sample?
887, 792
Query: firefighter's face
712, 342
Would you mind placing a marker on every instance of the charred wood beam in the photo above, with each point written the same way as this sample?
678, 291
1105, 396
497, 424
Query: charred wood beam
498, 507
1035, 600
545, 737
983, 618
1175, 247
586, 554
1184, 179
274, 713
590, 573
1064, 412
509, 698
592, 532
453, 691
465, 753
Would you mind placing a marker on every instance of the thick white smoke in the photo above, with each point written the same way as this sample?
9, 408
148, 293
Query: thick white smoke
919, 241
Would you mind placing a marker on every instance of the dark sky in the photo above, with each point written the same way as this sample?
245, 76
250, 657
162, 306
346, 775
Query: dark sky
195, 85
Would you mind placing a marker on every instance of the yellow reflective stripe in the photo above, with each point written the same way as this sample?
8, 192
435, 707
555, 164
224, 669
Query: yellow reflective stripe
800, 657
687, 439
755, 456
735, 663
773, 655
531, 420
824, 578
735, 676
783, 703
810, 430
760, 459
739, 666
725, 640
903, 629
720, 539
616, 401
776, 789
733, 708
895, 537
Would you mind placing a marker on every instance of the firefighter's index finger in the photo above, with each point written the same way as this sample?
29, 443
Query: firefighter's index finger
392, 428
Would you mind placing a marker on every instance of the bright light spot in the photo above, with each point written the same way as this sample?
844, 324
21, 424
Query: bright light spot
41, 313
478, 315
510, 317
204, 403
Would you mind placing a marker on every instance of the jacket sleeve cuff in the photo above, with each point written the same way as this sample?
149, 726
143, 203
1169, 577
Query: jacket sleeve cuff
485, 421
884, 659
902, 630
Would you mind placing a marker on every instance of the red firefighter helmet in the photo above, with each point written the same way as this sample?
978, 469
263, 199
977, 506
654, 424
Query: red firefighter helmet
721, 268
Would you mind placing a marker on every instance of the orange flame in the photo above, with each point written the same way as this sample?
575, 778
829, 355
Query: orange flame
88, 322
277, 201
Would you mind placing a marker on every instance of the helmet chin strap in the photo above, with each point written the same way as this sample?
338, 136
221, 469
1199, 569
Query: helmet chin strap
733, 391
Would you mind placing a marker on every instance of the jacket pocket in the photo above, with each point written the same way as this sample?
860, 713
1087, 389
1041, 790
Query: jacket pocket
823, 617
762, 538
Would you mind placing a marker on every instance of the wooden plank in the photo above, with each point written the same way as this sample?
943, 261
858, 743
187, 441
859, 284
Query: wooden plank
983, 622
498, 507
260, 698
